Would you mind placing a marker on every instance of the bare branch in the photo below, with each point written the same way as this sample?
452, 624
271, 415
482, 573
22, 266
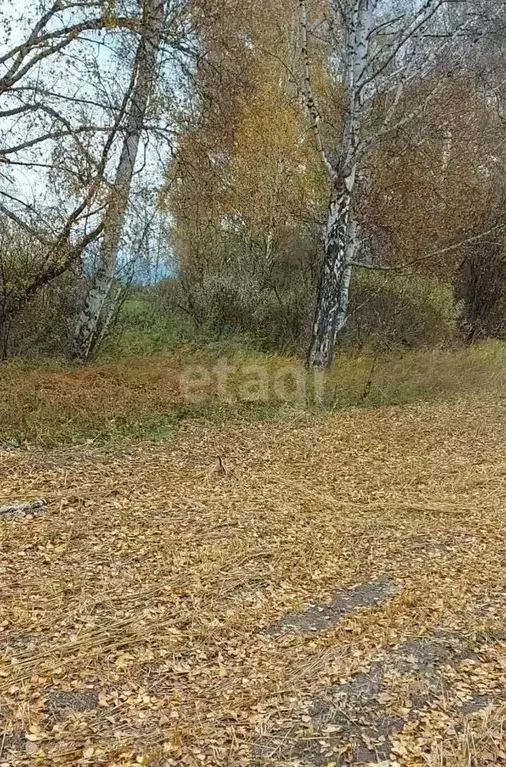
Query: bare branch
310, 103
428, 256
55, 135
22, 223
16, 111
17, 72
423, 16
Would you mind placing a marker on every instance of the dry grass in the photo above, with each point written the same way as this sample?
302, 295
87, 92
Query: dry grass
141, 396
482, 740
134, 397
150, 575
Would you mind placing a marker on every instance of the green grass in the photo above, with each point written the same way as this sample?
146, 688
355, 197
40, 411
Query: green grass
145, 327
140, 397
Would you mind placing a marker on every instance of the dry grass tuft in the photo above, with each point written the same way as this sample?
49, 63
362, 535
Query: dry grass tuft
480, 742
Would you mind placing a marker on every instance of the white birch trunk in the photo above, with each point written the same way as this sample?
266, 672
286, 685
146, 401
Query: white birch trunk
340, 230
371, 66
269, 245
92, 321
344, 287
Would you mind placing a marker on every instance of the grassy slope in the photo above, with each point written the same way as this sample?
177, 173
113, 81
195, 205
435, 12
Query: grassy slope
140, 396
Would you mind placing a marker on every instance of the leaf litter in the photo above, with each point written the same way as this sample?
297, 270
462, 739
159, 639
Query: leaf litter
135, 613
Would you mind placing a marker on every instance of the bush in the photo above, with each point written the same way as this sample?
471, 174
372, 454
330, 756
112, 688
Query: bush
148, 322
386, 311
389, 310
481, 287
219, 306
45, 325
40, 323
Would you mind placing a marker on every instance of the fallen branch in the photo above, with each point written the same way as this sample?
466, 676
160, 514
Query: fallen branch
24, 507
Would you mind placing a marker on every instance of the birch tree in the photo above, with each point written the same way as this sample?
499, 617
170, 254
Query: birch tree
383, 50
101, 302
72, 108
246, 189
48, 137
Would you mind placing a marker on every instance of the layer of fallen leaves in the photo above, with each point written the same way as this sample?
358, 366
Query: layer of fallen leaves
481, 741
139, 597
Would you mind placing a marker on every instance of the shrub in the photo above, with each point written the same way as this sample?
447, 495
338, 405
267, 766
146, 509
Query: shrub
390, 309
480, 285
44, 326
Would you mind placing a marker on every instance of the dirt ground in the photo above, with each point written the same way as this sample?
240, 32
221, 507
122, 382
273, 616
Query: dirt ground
307, 591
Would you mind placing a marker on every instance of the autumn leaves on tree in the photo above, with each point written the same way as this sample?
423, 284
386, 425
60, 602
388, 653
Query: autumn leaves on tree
296, 145
358, 107
383, 58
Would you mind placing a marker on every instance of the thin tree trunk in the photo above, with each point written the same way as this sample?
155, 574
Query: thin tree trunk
269, 244
368, 62
91, 325
269, 240
344, 286
5, 322
331, 275
331, 310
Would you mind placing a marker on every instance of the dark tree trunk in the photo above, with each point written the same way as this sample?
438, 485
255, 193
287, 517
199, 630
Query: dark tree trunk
5, 323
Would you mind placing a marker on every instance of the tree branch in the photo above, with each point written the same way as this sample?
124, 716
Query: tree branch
432, 254
423, 16
15, 73
23, 224
53, 137
310, 103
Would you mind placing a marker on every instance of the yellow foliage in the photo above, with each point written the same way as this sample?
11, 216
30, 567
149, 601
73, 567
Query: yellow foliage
250, 161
